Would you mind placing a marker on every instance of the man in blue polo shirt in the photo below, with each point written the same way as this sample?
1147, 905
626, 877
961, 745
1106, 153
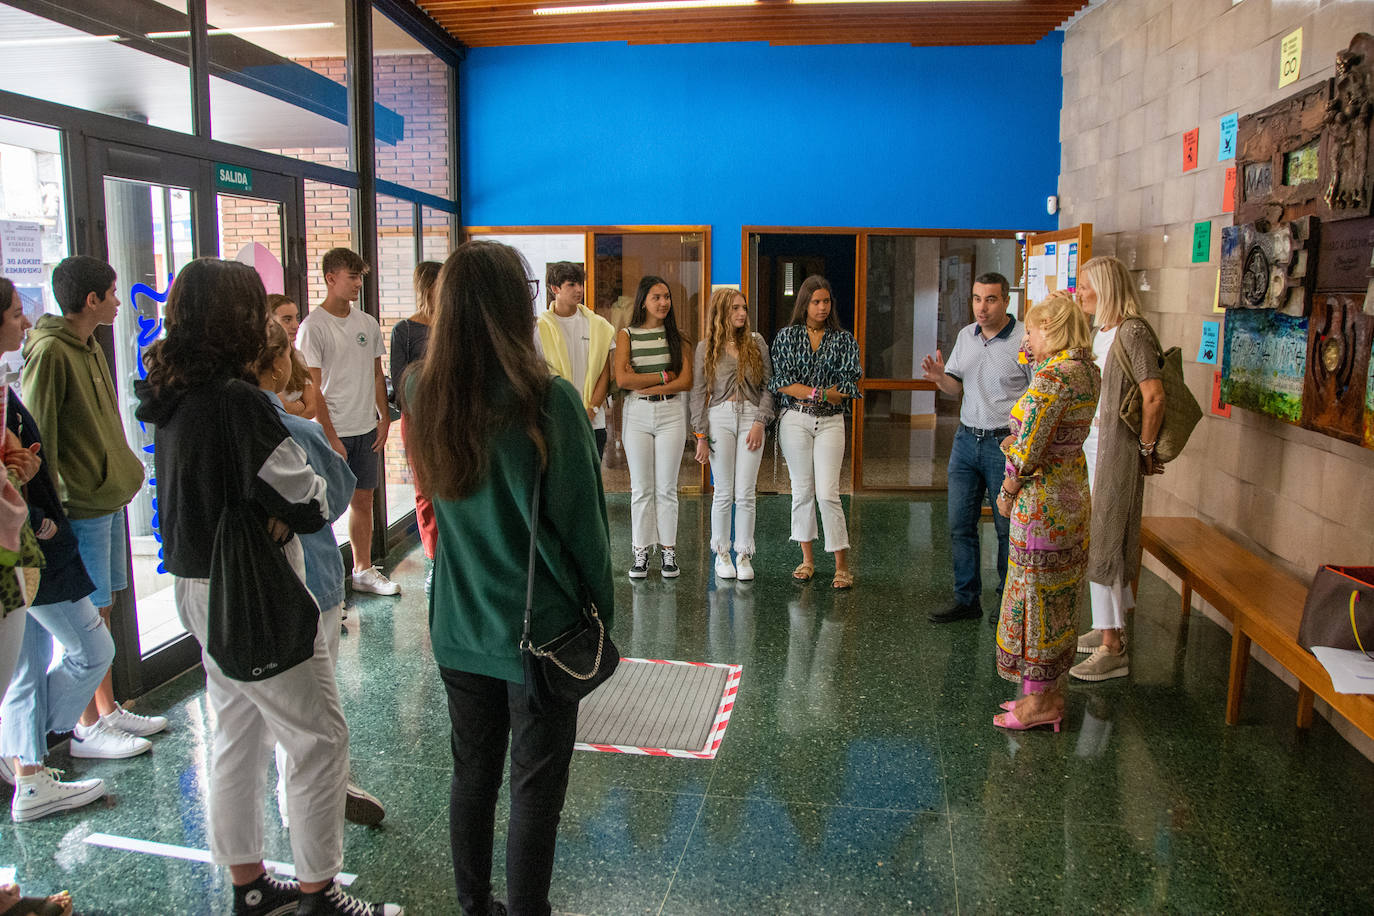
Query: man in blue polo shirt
984, 365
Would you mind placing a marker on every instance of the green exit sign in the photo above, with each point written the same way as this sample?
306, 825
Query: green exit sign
233, 177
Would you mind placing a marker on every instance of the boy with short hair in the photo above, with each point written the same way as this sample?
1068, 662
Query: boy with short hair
577, 343
68, 388
343, 350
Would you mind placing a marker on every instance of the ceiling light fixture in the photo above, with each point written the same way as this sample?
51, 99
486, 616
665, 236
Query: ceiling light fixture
248, 30
874, 2
638, 7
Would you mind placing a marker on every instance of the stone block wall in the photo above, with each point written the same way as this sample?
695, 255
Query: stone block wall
1138, 74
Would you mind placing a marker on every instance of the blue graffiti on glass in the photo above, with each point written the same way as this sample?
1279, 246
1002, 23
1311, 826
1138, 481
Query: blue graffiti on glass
149, 330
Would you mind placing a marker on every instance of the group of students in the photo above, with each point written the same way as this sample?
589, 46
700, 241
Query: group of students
736, 387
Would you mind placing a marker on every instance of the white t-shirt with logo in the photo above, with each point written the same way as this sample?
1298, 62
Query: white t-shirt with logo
345, 351
577, 335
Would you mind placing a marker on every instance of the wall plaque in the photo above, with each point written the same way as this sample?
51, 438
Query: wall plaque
1265, 268
1343, 255
1338, 349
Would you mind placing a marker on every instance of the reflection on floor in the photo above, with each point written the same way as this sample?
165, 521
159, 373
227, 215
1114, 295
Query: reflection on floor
860, 773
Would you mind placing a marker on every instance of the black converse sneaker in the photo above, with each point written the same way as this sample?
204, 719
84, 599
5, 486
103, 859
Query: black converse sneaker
670, 570
335, 901
640, 569
267, 896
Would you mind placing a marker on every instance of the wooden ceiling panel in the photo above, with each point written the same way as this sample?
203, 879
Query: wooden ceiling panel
493, 23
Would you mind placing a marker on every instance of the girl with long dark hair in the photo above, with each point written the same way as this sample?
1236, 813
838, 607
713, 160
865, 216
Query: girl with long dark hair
651, 364
485, 421
815, 375
218, 439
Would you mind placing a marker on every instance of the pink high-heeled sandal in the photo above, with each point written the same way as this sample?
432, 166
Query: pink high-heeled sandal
1008, 720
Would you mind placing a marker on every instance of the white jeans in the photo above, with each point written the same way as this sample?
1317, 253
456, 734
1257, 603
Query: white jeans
299, 709
654, 435
814, 449
735, 469
1109, 602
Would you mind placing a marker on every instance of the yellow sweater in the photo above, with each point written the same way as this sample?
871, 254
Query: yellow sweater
599, 333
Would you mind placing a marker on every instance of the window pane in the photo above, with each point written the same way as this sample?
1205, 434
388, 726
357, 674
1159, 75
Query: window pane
539, 251
148, 230
437, 241
251, 231
411, 124
133, 58
33, 218
329, 212
395, 271
279, 77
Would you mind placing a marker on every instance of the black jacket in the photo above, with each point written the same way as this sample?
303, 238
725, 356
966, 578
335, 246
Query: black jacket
218, 442
64, 577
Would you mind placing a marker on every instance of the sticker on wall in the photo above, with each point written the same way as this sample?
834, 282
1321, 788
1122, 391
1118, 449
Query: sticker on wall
1290, 58
1202, 242
1226, 145
1228, 192
1216, 293
1211, 340
1219, 407
1190, 150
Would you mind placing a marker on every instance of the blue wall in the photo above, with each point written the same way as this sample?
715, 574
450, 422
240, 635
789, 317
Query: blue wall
743, 133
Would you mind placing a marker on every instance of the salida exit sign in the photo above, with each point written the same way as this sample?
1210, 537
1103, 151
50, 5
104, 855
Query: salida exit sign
233, 177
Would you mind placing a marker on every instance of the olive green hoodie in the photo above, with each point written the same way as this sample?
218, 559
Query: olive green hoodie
68, 389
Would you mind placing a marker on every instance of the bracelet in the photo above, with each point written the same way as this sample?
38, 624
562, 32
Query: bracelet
1148, 449
700, 435
815, 394
663, 377
1008, 495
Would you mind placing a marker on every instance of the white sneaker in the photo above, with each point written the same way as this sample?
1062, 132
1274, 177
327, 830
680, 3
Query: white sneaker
372, 580
133, 724
43, 793
104, 742
744, 567
724, 568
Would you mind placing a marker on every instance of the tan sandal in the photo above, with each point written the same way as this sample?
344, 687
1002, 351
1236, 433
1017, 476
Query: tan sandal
804, 572
843, 579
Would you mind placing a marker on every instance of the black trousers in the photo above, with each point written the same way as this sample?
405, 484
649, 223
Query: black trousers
483, 711
600, 443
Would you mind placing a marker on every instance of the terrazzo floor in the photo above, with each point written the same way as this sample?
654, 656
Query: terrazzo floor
860, 773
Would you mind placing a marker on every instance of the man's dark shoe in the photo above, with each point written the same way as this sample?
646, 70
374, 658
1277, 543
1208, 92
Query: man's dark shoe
957, 612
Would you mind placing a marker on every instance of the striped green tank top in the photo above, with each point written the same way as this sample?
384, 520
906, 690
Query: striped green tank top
649, 349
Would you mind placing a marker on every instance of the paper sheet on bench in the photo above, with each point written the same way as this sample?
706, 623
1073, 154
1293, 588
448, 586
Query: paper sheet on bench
1351, 671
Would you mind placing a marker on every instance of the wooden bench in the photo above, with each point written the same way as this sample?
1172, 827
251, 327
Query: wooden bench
1264, 605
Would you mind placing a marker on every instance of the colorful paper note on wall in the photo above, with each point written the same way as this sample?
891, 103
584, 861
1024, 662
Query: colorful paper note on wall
1290, 58
1190, 150
1226, 146
1211, 339
1219, 408
1202, 241
1228, 192
1216, 293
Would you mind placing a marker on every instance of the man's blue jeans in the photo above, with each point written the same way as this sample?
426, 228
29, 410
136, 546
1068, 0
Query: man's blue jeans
976, 467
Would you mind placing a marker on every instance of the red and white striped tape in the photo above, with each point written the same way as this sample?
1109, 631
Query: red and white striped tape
713, 739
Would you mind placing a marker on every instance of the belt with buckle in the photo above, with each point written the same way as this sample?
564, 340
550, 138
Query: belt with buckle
657, 397
817, 410
984, 433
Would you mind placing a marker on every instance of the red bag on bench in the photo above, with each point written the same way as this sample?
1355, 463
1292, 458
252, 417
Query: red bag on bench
1340, 610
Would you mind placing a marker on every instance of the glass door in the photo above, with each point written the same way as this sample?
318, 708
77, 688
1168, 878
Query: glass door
153, 213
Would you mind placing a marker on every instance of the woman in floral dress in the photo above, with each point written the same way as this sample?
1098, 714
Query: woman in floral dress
1045, 494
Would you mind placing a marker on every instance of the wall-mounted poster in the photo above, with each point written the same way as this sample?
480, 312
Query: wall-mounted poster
1264, 362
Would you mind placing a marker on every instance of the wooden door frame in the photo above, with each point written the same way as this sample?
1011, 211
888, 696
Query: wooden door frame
861, 237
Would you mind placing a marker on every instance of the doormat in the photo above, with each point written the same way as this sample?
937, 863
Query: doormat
660, 708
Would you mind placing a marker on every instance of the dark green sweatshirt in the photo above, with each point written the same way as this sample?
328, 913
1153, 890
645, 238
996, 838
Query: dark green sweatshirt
68, 389
477, 613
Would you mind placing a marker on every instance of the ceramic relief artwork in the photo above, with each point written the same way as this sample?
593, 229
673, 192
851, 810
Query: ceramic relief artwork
1264, 362
1299, 299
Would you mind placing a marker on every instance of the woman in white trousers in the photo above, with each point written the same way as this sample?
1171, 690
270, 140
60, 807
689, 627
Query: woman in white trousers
650, 364
815, 376
731, 407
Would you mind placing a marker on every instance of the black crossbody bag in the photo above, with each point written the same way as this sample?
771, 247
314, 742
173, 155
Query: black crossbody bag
575, 662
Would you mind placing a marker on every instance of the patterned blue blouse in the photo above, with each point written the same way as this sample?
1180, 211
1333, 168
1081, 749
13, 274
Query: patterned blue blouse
835, 364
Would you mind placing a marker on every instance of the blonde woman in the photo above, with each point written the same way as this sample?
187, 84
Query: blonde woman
1045, 495
1123, 460
300, 398
731, 407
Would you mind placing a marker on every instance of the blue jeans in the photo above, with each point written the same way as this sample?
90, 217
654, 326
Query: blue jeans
105, 553
976, 467
41, 700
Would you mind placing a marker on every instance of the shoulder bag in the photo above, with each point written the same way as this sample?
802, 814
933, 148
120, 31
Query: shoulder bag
1339, 611
1181, 409
575, 662
261, 619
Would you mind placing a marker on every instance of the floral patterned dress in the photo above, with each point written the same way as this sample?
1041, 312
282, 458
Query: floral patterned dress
1037, 632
